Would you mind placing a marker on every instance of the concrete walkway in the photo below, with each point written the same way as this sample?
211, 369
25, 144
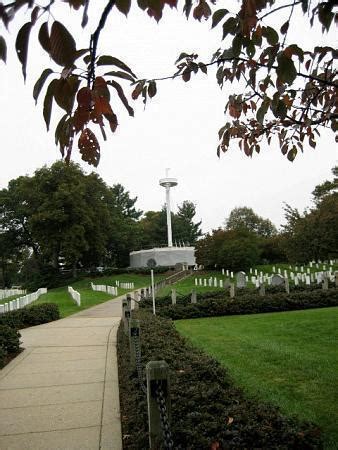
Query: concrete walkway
62, 391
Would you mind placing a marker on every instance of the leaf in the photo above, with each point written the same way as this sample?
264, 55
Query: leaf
62, 45
123, 98
325, 15
123, 6
294, 50
292, 153
34, 15
203, 67
284, 28
107, 60
64, 92
305, 4
237, 45
44, 37
80, 118
84, 98
40, 82
286, 70
230, 26
152, 90
137, 91
89, 147
182, 56
218, 16
186, 75
202, 10
48, 102
271, 35
21, 45
120, 74
262, 110
3, 49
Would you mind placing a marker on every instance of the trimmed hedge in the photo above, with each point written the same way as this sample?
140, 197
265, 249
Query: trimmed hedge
208, 411
250, 304
9, 343
225, 293
30, 316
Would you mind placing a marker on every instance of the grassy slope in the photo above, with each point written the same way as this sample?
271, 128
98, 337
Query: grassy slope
185, 286
89, 298
289, 359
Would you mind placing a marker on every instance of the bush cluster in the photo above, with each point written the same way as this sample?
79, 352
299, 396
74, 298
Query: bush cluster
250, 304
12, 321
208, 411
30, 316
9, 342
134, 270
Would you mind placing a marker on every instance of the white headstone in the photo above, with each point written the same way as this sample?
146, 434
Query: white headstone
241, 279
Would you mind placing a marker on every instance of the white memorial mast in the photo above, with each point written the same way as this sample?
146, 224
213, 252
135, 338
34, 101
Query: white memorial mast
168, 183
164, 256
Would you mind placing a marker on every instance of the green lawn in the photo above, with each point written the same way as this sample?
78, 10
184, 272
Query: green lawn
288, 359
67, 305
89, 297
185, 286
8, 299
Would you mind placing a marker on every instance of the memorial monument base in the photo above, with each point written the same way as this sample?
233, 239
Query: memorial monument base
165, 256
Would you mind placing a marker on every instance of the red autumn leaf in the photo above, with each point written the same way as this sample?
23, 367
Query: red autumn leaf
84, 97
89, 147
101, 106
80, 118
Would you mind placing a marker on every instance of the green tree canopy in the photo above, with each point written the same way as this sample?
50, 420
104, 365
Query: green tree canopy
244, 218
232, 249
69, 219
313, 234
153, 226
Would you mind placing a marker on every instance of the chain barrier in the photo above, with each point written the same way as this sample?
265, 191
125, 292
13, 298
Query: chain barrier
167, 438
158, 392
137, 348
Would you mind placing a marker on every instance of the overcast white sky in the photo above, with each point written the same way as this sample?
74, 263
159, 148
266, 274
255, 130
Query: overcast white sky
178, 128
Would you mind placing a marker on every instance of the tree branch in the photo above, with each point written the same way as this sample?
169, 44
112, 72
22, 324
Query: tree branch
217, 61
94, 39
277, 9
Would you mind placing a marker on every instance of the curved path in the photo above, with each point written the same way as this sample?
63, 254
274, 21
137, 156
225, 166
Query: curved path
62, 391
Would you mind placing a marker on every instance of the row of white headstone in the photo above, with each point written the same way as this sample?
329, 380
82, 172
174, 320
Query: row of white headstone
297, 278
272, 280
124, 285
22, 301
5, 293
210, 282
76, 296
112, 290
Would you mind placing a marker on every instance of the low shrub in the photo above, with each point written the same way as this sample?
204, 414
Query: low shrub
250, 304
3, 355
208, 411
30, 315
135, 270
9, 339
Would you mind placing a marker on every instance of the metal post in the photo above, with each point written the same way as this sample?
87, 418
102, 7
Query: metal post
129, 301
159, 407
153, 291
232, 290
125, 315
134, 333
